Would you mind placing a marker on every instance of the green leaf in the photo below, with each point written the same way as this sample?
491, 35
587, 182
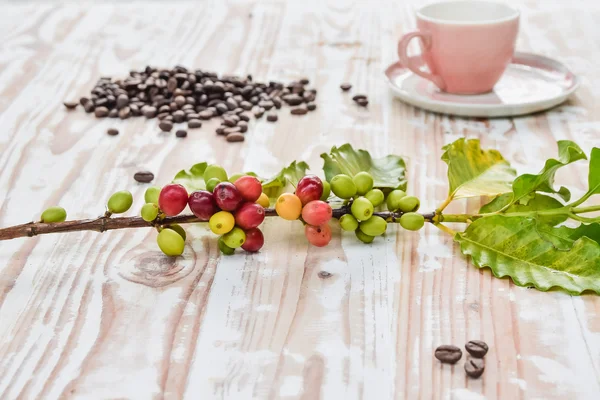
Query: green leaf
594, 175
289, 175
388, 172
524, 185
538, 202
475, 172
193, 179
563, 238
512, 246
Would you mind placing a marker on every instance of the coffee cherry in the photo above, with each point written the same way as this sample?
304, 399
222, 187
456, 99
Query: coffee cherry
170, 242
235, 238
375, 196
249, 215
151, 194
149, 212
393, 199
362, 209
263, 200
348, 222
211, 183
363, 181
412, 221
172, 199
409, 204
215, 171
221, 222
227, 196
374, 226
228, 251
254, 240
317, 213
326, 191
54, 214
288, 206
120, 202
203, 204
249, 187
309, 188
343, 186
179, 229
319, 236
363, 237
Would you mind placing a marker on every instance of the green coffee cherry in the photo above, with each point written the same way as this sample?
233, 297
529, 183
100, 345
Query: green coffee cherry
363, 237
393, 199
54, 214
120, 202
409, 204
211, 183
343, 186
179, 229
375, 196
170, 242
363, 181
348, 222
151, 195
374, 226
215, 171
228, 251
235, 238
412, 221
362, 209
235, 177
149, 212
326, 191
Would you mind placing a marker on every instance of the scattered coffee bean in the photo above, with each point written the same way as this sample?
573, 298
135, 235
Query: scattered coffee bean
299, 111
477, 348
311, 106
114, 113
324, 274
243, 125
149, 112
165, 125
304, 81
143, 176
233, 129
220, 130
235, 137
362, 102
194, 123
448, 354
272, 117
181, 133
244, 117
229, 121
345, 87
101, 112
112, 131
124, 112
474, 367
358, 97
258, 111
70, 105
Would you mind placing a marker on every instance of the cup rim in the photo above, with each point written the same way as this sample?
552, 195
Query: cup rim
515, 13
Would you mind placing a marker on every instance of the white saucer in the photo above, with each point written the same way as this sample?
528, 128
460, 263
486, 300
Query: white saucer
531, 83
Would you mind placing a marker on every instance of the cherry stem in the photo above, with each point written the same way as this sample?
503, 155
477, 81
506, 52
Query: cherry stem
106, 223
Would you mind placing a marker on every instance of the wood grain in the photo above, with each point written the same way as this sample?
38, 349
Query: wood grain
91, 316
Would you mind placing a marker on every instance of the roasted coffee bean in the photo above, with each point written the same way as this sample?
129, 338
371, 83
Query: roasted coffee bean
233, 129
180, 101
187, 107
474, 367
171, 84
358, 97
244, 117
122, 101
243, 125
83, 101
178, 116
101, 112
70, 105
114, 113
135, 110
220, 130
311, 106
191, 116
194, 123
164, 108
124, 113
231, 103
448, 354
276, 102
168, 118
143, 176
101, 102
345, 87
299, 111
308, 96
149, 112
235, 137
112, 132
293, 99
362, 102
246, 105
266, 104
271, 117
162, 116
165, 125
229, 121
324, 274
206, 114
221, 108
258, 111
181, 133
477, 348
89, 107
304, 81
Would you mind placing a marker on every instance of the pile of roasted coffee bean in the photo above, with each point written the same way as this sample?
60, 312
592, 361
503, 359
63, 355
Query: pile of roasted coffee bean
178, 95
474, 365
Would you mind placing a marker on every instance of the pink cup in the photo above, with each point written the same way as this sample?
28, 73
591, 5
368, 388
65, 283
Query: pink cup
466, 44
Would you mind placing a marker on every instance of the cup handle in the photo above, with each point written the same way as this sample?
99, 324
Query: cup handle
409, 61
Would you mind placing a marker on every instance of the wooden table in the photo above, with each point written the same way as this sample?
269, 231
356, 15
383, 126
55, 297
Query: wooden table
97, 316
